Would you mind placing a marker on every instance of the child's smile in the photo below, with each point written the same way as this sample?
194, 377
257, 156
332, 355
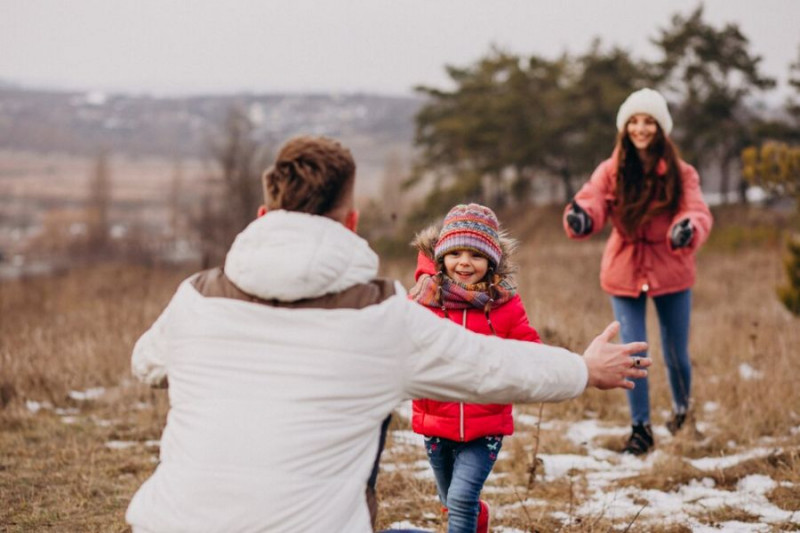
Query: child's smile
466, 266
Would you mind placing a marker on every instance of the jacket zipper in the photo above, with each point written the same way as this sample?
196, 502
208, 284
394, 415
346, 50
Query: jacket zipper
461, 404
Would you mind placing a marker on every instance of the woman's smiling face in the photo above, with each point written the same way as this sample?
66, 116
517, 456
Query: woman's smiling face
465, 266
642, 130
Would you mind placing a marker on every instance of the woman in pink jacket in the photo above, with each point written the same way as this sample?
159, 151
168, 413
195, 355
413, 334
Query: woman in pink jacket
463, 275
659, 220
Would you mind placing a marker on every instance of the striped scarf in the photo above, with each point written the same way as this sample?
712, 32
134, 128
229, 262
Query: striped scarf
457, 295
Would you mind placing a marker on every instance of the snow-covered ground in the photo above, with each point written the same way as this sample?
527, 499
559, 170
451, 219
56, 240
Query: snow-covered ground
603, 469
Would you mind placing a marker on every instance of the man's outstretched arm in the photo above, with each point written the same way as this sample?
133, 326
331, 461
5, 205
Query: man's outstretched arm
610, 364
451, 363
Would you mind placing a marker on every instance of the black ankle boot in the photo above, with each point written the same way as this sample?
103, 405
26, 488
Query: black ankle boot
640, 441
676, 422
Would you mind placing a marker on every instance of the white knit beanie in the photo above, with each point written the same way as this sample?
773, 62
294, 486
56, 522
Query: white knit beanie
645, 101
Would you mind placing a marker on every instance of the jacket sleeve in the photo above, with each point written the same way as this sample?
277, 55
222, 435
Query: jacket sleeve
150, 353
693, 207
451, 363
520, 328
594, 198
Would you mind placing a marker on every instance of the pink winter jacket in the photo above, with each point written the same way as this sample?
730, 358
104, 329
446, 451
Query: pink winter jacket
469, 421
647, 262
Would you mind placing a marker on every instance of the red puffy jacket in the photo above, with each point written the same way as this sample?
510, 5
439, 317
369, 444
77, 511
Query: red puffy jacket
647, 262
468, 421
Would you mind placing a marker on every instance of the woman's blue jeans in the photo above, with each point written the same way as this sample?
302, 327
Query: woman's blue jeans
461, 469
673, 318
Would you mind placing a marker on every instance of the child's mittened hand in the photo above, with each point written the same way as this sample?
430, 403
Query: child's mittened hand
682, 234
578, 220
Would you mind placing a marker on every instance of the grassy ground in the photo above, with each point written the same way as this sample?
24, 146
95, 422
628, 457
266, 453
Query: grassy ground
74, 463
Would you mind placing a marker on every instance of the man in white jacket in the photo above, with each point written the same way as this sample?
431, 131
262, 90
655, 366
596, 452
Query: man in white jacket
282, 365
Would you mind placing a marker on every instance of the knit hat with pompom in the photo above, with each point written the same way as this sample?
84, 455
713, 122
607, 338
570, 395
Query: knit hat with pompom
470, 227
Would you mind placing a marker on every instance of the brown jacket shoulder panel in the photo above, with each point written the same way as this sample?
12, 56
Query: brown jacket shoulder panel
215, 284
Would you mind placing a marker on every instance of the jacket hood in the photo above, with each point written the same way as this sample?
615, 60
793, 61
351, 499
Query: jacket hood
289, 256
425, 242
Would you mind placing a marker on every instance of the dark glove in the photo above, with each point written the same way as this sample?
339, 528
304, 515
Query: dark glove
579, 221
682, 234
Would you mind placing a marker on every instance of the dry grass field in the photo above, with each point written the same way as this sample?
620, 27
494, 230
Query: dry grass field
78, 436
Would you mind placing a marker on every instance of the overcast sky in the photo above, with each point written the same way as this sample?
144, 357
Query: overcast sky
384, 46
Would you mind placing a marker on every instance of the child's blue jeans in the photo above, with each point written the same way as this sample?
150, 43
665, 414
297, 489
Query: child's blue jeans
673, 318
461, 469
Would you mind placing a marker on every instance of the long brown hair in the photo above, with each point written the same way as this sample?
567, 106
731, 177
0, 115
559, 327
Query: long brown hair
641, 194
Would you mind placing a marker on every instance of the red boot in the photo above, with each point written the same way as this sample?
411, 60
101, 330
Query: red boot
483, 518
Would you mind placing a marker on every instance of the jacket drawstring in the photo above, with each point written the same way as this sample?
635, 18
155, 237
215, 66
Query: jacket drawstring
642, 260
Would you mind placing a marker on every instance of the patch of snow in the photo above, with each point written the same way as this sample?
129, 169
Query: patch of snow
697, 497
95, 98
493, 489
35, 407
703, 427
152, 443
583, 432
120, 444
256, 113
406, 437
748, 373
531, 421
422, 464
556, 466
77, 228
425, 473
61, 411
603, 468
89, 394
118, 231
404, 524
69, 419
731, 526
717, 463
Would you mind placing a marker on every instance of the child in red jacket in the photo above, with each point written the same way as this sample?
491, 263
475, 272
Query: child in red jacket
463, 274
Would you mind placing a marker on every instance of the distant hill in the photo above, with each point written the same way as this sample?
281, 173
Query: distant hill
81, 123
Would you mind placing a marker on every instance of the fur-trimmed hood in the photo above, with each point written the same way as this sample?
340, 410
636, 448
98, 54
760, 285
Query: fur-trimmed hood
425, 242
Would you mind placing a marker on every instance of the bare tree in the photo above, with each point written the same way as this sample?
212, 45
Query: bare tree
174, 199
231, 202
99, 202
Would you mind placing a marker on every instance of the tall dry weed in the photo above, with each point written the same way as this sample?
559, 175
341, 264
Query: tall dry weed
75, 330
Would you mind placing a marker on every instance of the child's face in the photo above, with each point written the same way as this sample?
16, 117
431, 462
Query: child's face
465, 266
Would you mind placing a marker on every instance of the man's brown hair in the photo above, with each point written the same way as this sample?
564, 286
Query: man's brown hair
311, 175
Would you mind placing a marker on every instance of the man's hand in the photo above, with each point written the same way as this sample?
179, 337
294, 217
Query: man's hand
578, 220
682, 234
610, 364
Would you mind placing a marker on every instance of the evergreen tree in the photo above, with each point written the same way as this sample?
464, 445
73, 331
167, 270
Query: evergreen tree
710, 72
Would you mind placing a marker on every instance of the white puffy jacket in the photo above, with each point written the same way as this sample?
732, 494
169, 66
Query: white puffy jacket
275, 411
